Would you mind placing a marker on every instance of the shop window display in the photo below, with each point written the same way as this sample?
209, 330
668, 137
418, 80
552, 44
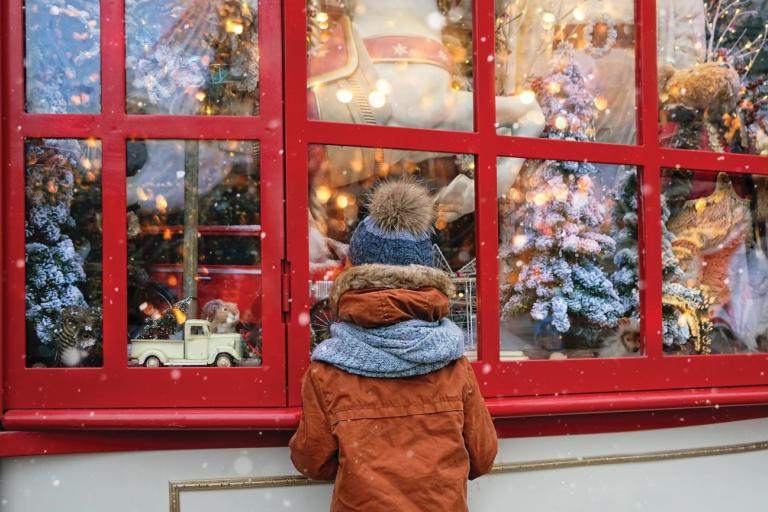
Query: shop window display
715, 247
192, 57
601, 33
341, 180
63, 252
194, 244
712, 88
568, 238
62, 56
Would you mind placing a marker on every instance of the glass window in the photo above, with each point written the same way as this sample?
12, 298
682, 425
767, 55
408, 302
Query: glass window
568, 260
714, 262
397, 63
712, 65
62, 56
194, 246
192, 57
554, 56
63, 252
342, 177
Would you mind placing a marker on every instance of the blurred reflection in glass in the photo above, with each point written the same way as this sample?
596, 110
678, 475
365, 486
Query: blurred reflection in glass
712, 89
192, 57
715, 249
62, 56
340, 180
63, 252
194, 241
569, 262
601, 33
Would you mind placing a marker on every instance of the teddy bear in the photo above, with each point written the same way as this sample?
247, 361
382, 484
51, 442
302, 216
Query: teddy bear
223, 316
696, 105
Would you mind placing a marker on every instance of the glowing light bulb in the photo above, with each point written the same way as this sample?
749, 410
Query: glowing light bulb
548, 18
344, 95
342, 201
322, 17
561, 123
377, 99
383, 86
553, 87
527, 97
234, 27
519, 240
578, 14
601, 103
323, 193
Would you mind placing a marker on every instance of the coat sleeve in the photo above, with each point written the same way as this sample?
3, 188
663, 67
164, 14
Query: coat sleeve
314, 448
479, 432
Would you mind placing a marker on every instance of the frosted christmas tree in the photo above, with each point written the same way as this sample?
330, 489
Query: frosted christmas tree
54, 269
684, 308
553, 258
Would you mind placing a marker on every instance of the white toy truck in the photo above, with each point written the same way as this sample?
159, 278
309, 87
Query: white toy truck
199, 347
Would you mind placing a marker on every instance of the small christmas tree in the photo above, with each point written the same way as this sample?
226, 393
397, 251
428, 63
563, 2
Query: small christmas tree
553, 258
168, 323
679, 299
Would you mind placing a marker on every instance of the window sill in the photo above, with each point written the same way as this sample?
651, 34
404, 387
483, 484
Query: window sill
288, 418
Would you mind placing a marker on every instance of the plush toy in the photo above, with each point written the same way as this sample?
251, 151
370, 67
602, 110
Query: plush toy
223, 316
77, 335
694, 102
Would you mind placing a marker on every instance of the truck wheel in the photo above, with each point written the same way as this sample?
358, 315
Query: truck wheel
152, 362
223, 361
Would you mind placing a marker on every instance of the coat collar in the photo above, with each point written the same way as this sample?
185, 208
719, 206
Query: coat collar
379, 276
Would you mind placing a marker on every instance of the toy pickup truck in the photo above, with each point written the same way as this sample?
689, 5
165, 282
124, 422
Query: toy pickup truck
199, 347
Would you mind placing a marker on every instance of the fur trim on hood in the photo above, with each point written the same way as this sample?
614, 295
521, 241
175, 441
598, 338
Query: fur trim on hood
376, 275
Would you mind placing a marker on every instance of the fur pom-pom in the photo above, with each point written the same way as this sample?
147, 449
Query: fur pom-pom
402, 205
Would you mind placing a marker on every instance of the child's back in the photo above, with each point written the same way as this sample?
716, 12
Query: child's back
392, 410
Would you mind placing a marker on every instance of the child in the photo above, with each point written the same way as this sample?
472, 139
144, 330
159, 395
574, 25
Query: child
392, 409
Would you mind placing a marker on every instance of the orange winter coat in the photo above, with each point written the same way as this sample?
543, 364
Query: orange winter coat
404, 444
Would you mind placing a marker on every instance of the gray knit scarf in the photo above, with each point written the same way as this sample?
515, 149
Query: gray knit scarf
405, 349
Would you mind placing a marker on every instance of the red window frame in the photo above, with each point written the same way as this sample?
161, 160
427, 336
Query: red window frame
115, 385
591, 384
653, 371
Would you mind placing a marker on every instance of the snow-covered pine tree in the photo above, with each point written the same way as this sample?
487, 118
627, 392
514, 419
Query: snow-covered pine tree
53, 267
625, 278
553, 258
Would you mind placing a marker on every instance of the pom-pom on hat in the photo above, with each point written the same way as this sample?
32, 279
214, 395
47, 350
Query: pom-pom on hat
398, 229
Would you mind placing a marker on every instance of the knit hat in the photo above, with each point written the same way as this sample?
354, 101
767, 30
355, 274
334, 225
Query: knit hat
398, 228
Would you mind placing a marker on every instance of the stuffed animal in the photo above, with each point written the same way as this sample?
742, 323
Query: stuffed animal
694, 102
222, 315
77, 335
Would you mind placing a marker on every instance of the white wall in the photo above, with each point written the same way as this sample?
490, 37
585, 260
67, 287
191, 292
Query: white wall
138, 481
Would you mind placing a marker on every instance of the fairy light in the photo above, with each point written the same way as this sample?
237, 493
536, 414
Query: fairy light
383, 86
322, 17
561, 123
578, 14
601, 103
344, 95
377, 99
527, 97
233, 27
323, 193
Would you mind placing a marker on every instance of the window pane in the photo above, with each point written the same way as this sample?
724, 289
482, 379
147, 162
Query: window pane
714, 262
712, 65
194, 252
63, 252
341, 179
63, 71
568, 260
393, 64
192, 57
568, 67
